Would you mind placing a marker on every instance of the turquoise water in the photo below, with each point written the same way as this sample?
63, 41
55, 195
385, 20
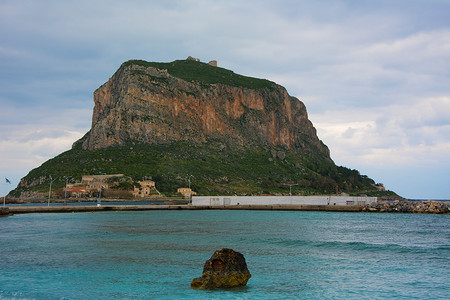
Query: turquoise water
155, 254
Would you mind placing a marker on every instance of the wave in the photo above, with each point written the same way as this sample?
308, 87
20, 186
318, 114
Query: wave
358, 246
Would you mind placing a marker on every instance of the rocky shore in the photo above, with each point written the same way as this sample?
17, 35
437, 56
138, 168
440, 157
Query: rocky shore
410, 206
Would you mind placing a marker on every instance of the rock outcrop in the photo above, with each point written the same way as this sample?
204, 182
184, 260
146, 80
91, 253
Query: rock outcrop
147, 104
225, 269
236, 135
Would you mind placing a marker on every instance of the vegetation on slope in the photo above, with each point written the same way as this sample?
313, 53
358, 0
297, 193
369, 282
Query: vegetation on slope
190, 70
216, 169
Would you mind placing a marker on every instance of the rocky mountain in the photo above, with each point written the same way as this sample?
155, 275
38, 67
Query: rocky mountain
234, 134
143, 102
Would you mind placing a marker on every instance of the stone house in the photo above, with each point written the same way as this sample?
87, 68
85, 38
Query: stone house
94, 186
186, 191
145, 189
85, 179
77, 191
379, 186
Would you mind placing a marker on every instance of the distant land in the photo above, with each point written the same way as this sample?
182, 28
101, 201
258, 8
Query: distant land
236, 135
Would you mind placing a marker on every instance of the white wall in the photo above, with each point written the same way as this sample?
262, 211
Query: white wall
280, 200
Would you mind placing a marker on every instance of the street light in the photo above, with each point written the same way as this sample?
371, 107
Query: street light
65, 191
290, 187
100, 193
190, 201
50, 190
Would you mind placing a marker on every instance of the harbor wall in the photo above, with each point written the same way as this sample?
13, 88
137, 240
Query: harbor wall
158, 207
281, 200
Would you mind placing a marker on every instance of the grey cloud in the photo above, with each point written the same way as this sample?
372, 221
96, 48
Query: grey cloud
342, 58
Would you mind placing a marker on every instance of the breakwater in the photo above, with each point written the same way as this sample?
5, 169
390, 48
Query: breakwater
397, 206
94, 208
283, 200
410, 206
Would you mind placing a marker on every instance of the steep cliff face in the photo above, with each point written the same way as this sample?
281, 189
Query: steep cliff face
148, 104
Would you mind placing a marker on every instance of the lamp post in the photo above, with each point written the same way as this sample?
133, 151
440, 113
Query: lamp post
100, 192
290, 187
50, 190
65, 191
190, 189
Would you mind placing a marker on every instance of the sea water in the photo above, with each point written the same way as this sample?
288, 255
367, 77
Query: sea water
156, 254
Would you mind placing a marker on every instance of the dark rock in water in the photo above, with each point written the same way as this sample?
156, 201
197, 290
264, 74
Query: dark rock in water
4, 211
225, 269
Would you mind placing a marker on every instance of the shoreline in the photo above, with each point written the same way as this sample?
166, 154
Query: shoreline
9, 210
95, 208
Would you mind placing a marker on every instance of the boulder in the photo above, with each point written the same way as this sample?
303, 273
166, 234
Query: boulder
225, 269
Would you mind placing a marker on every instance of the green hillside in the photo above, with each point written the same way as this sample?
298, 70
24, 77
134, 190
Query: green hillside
200, 72
216, 169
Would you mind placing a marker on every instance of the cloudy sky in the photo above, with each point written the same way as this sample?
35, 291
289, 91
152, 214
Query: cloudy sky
374, 75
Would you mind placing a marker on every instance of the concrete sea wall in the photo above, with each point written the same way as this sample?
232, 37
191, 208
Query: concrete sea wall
427, 207
282, 200
93, 208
